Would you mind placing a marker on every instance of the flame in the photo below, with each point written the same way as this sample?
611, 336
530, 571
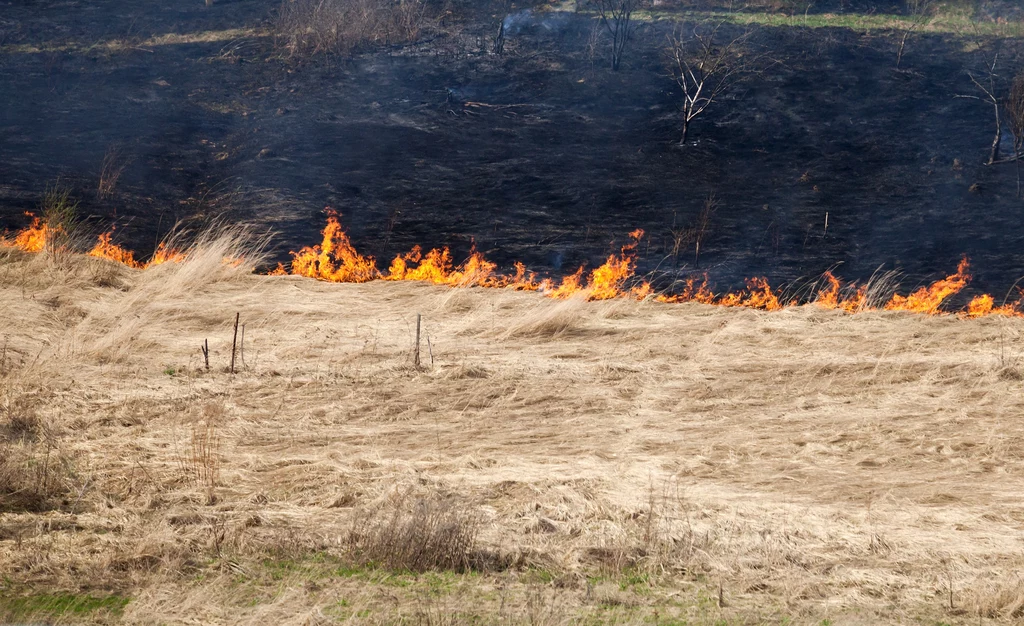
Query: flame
437, 267
606, 281
829, 298
32, 238
692, 292
334, 259
523, 280
163, 254
928, 299
758, 295
984, 305
570, 286
104, 249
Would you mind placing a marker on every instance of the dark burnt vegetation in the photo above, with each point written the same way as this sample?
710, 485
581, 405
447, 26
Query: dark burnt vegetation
340, 27
505, 125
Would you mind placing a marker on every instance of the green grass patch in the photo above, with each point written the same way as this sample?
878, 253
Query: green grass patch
950, 18
51, 606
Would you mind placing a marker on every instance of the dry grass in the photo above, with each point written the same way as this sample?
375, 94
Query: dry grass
557, 462
418, 534
305, 28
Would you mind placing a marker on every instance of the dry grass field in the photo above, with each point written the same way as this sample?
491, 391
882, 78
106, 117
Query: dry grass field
549, 462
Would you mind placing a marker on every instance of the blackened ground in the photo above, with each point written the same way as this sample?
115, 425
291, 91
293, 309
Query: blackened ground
541, 155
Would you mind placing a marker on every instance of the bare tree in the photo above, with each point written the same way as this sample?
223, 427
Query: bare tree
987, 82
919, 11
704, 69
617, 17
1014, 105
498, 46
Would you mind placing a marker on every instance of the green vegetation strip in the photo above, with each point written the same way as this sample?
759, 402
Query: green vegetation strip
58, 605
949, 18
943, 23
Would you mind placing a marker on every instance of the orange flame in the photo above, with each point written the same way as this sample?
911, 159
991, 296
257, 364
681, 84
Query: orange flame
692, 292
607, 281
437, 267
984, 305
32, 238
928, 299
163, 254
334, 259
104, 249
829, 298
758, 295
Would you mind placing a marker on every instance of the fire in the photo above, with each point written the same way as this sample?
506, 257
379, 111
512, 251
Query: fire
437, 267
164, 254
335, 259
33, 238
758, 295
829, 297
104, 249
984, 305
692, 292
606, 281
928, 299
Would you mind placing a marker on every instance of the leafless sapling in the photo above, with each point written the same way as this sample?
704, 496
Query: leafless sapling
918, 12
705, 65
498, 46
988, 84
617, 16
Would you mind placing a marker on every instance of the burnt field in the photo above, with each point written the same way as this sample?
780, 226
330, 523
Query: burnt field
185, 440
830, 156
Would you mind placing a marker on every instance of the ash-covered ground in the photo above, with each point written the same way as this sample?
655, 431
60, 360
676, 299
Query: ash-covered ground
541, 154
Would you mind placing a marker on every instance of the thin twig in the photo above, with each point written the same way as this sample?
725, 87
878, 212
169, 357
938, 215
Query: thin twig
234, 342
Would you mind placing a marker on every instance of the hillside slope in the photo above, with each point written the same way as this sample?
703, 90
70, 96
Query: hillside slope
619, 461
542, 155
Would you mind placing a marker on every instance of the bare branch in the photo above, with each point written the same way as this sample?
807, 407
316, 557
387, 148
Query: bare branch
704, 69
617, 18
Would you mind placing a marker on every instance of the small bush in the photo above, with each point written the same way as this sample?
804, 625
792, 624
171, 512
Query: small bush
34, 476
418, 535
340, 27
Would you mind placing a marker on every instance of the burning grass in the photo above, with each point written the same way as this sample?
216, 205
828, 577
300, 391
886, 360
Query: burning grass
335, 259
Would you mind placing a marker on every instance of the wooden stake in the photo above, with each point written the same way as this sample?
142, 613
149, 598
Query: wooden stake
418, 319
234, 342
241, 350
206, 353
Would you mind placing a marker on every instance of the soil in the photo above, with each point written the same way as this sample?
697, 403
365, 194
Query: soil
542, 154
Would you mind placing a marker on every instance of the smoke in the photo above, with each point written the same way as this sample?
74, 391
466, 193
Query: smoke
555, 22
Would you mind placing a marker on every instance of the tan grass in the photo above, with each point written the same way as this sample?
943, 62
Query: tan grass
603, 460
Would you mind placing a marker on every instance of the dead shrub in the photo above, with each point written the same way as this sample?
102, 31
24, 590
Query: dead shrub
60, 213
200, 460
19, 420
114, 164
418, 534
306, 28
35, 476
